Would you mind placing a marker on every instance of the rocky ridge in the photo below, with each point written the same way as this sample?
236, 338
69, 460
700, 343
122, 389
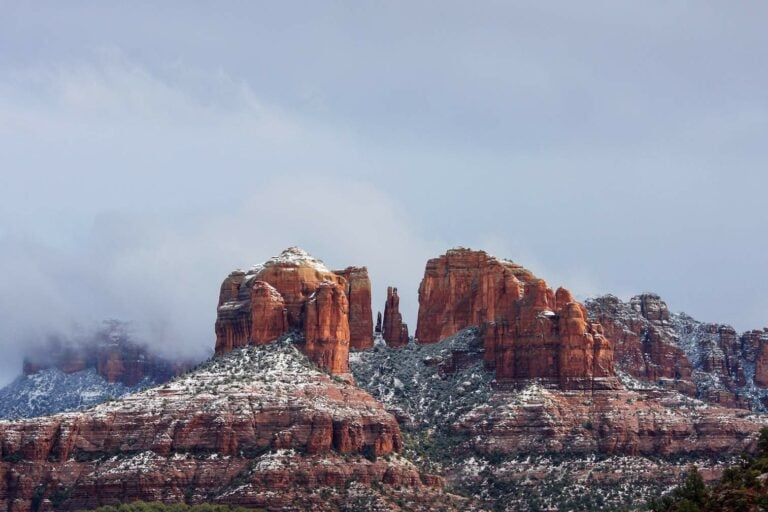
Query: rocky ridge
655, 348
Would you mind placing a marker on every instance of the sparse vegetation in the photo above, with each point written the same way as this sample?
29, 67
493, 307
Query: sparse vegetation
743, 488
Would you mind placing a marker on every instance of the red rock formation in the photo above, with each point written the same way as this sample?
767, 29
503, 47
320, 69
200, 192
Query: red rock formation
269, 318
283, 433
394, 331
644, 344
233, 320
530, 331
360, 315
662, 349
294, 291
464, 288
110, 352
541, 420
326, 328
756, 346
378, 323
297, 276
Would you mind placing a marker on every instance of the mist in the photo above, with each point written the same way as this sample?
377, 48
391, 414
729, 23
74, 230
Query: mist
144, 155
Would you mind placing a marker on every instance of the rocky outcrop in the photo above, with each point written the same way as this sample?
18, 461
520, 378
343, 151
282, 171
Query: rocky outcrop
378, 323
111, 352
326, 328
674, 351
360, 314
644, 341
530, 331
296, 292
394, 330
296, 275
249, 428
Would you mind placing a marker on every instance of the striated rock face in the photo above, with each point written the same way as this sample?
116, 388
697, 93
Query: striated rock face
111, 352
269, 319
360, 314
394, 331
326, 328
541, 420
257, 427
464, 403
296, 276
296, 292
530, 331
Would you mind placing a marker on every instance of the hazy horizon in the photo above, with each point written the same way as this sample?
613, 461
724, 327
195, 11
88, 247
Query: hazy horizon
148, 150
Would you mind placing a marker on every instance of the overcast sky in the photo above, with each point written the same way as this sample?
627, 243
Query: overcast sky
148, 148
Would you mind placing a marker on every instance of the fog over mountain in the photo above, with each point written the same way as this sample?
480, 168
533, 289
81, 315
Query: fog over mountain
146, 151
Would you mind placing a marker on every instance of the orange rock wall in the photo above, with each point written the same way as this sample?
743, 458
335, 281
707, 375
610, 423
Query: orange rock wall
326, 328
360, 313
530, 331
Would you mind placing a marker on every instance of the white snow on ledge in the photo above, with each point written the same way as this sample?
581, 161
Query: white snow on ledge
296, 256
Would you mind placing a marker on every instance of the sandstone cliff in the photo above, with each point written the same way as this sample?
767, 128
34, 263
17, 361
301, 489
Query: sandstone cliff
360, 314
531, 331
514, 447
326, 328
296, 292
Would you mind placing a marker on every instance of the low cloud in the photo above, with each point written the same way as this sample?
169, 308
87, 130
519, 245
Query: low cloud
131, 186
163, 276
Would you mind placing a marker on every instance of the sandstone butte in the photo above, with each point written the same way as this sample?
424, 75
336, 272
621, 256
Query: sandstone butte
295, 291
530, 330
393, 329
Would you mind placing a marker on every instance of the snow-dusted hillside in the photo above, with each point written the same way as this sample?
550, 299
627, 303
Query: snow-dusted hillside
50, 391
458, 422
